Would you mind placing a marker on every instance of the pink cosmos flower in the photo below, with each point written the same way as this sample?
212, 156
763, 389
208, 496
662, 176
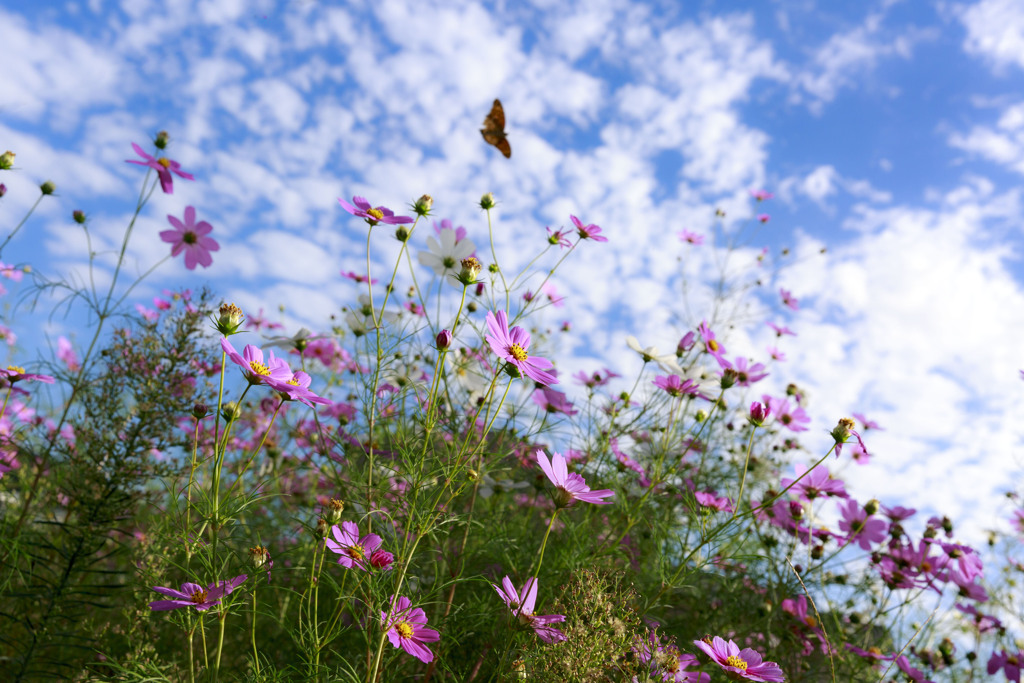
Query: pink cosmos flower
406, 628
776, 354
296, 388
747, 373
744, 665
257, 371
372, 215
552, 401
763, 217
868, 424
597, 379
814, 484
673, 385
522, 605
983, 622
13, 373
194, 595
558, 237
781, 330
571, 486
446, 224
354, 550
163, 166
591, 231
758, 413
191, 237
861, 527
795, 420
357, 278
691, 237
761, 195
711, 344
512, 345
789, 300
710, 500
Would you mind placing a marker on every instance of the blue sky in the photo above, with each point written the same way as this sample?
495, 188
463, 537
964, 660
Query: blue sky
892, 133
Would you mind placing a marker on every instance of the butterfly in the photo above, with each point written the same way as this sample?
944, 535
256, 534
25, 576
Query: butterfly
494, 129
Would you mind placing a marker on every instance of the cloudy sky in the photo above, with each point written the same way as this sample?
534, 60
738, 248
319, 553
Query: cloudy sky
891, 134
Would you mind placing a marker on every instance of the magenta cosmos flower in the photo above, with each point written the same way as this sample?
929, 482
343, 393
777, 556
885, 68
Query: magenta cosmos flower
571, 486
163, 166
522, 604
194, 595
296, 388
354, 550
591, 232
372, 215
191, 237
254, 368
691, 237
512, 346
407, 630
13, 373
744, 665
860, 527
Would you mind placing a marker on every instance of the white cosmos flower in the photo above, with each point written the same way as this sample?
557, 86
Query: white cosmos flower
650, 353
445, 256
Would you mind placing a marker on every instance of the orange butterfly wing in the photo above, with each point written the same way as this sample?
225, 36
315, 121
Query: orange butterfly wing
494, 129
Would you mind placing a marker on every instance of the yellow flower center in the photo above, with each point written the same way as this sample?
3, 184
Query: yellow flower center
376, 213
518, 352
165, 162
294, 381
355, 552
404, 629
712, 346
736, 662
199, 597
16, 368
259, 368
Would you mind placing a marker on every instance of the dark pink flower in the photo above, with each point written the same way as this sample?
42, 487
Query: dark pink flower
522, 605
13, 373
372, 215
356, 277
553, 401
758, 413
354, 550
860, 526
673, 385
710, 500
406, 628
763, 217
591, 231
558, 237
1010, 664
571, 486
194, 595
163, 166
814, 484
711, 344
191, 237
512, 346
745, 664
296, 388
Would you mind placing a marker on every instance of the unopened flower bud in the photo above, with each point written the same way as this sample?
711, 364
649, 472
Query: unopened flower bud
816, 552
443, 340
48, 187
381, 559
161, 139
471, 307
200, 410
230, 411
493, 268
334, 509
258, 556
79, 216
402, 233
930, 532
700, 416
322, 527
479, 289
472, 475
758, 413
841, 432
686, 343
871, 507
229, 320
487, 202
728, 378
7, 160
471, 268
423, 205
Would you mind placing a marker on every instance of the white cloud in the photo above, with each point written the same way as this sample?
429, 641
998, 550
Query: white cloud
995, 31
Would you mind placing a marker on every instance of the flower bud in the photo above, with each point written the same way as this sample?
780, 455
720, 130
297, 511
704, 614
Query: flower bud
381, 559
229, 320
402, 233
700, 416
871, 507
79, 216
471, 268
258, 556
841, 432
3, 189
230, 411
161, 139
728, 378
686, 343
479, 289
200, 410
7, 160
322, 527
487, 202
758, 413
423, 205
443, 340
334, 509
48, 187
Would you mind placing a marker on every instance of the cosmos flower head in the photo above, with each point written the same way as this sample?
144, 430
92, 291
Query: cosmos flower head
742, 665
512, 346
407, 628
255, 369
570, 486
373, 215
163, 166
522, 604
354, 550
194, 595
585, 232
191, 238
